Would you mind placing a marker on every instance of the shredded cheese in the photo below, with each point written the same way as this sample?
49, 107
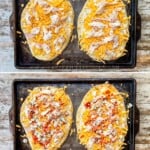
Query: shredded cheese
103, 117
109, 16
48, 115
42, 23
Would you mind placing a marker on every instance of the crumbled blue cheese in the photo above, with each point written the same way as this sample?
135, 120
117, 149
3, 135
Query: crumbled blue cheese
25, 141
129, 105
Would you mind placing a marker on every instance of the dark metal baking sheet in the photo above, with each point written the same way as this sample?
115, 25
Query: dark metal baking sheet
77, 88
73, 57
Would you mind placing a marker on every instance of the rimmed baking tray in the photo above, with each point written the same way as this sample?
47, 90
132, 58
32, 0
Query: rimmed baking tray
76, 88
72, 57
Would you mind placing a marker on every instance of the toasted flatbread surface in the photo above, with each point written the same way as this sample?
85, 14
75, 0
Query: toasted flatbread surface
47, 26
46, 116
102, 119
103, 29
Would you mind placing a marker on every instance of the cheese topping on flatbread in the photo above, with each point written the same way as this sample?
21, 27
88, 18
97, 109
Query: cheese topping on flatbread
46, 116
47, 25
103, 29
102, 119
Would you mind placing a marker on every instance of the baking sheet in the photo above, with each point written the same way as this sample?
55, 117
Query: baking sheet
72, 56
76, 88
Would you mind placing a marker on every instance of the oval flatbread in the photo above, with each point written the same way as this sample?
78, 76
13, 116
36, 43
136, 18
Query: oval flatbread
103, 29
102, 119
47, 26
46, 116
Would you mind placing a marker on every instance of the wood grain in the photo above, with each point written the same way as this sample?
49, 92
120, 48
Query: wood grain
7, 52
143, 102
143, 79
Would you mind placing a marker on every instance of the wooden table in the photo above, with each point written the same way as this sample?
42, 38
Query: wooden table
6, 44
143, 79
143, 102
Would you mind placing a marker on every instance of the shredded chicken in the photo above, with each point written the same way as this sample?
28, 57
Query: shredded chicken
55, 19
101, 6
46, 48
97, 24
35, 30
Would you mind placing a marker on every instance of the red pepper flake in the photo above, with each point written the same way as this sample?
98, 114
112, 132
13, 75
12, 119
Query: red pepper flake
47, 142
31, 114
114, 111
46, 128
62, 103
95, 128
44, 144
103, 141
87, 105
87, 122
107, 92
82, 136
35, 139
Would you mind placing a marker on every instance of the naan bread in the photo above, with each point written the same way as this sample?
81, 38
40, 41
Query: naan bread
47, 26
46, 116
103, 29
102, 119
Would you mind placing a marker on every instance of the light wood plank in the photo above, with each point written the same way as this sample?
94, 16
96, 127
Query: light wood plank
143, 102
6, 44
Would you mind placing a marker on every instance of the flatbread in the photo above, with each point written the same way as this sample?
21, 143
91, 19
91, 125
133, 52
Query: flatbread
46, 116
101, 119
47, 26
103, 29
